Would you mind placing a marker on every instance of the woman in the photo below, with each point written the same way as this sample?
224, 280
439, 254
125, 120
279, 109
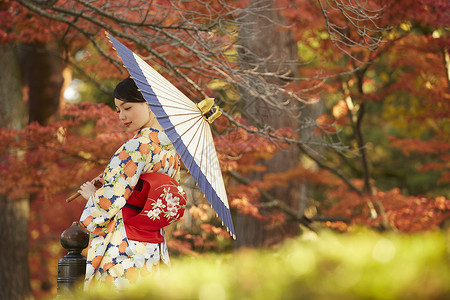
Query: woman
125, 216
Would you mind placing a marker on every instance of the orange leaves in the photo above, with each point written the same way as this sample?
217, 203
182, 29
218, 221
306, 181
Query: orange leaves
200, 211
436, 149
240, 150
427, 12
179, 245
340, 112
299, 174
61, 155
404, 213
214, 230
423, 147
6, 23
412, 214
245, 199
325, 125
441, 203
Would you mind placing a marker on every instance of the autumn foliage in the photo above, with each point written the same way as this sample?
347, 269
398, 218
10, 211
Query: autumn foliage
49, 162
385, 105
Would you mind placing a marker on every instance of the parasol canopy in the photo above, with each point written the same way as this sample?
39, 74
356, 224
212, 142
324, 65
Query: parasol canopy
187, 126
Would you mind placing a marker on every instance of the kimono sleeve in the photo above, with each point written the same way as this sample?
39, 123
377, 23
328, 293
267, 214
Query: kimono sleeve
121, 175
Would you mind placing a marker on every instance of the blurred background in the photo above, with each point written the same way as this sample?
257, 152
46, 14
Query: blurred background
335, 117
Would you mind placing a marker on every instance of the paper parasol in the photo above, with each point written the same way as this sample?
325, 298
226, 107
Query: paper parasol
187, 126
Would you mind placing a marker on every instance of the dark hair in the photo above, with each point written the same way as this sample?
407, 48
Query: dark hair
127, 91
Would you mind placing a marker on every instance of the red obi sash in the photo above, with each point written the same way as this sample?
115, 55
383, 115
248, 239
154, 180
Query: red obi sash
156, 201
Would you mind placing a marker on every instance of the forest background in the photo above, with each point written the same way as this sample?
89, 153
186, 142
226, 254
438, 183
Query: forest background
336, 114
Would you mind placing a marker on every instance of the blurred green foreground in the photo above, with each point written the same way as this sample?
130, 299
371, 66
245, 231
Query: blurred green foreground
361, 265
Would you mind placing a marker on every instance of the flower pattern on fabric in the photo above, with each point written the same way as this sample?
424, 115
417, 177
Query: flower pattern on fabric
166, 205
112, 258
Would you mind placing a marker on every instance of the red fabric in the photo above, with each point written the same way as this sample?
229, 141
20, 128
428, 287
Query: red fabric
161, 200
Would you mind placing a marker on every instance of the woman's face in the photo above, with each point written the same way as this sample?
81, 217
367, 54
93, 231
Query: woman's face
134, 115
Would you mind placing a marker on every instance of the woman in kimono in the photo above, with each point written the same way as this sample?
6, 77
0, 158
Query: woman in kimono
140, 181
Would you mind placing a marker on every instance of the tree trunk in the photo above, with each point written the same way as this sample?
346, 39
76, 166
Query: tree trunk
40, 87
267, 49
14, 271
42, 68
309, 113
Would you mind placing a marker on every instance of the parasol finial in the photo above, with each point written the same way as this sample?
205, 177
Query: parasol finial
209, 112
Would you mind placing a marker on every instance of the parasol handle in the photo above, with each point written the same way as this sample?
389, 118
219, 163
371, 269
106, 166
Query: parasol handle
73, 197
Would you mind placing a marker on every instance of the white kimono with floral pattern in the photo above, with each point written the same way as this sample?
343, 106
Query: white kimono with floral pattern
112, 258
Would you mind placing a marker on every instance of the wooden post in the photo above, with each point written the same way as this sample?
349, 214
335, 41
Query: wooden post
72, 267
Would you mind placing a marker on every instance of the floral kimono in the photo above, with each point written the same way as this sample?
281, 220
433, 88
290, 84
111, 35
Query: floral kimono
112, 257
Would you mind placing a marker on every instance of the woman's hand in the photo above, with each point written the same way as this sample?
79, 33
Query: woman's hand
98, 181
87, 189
